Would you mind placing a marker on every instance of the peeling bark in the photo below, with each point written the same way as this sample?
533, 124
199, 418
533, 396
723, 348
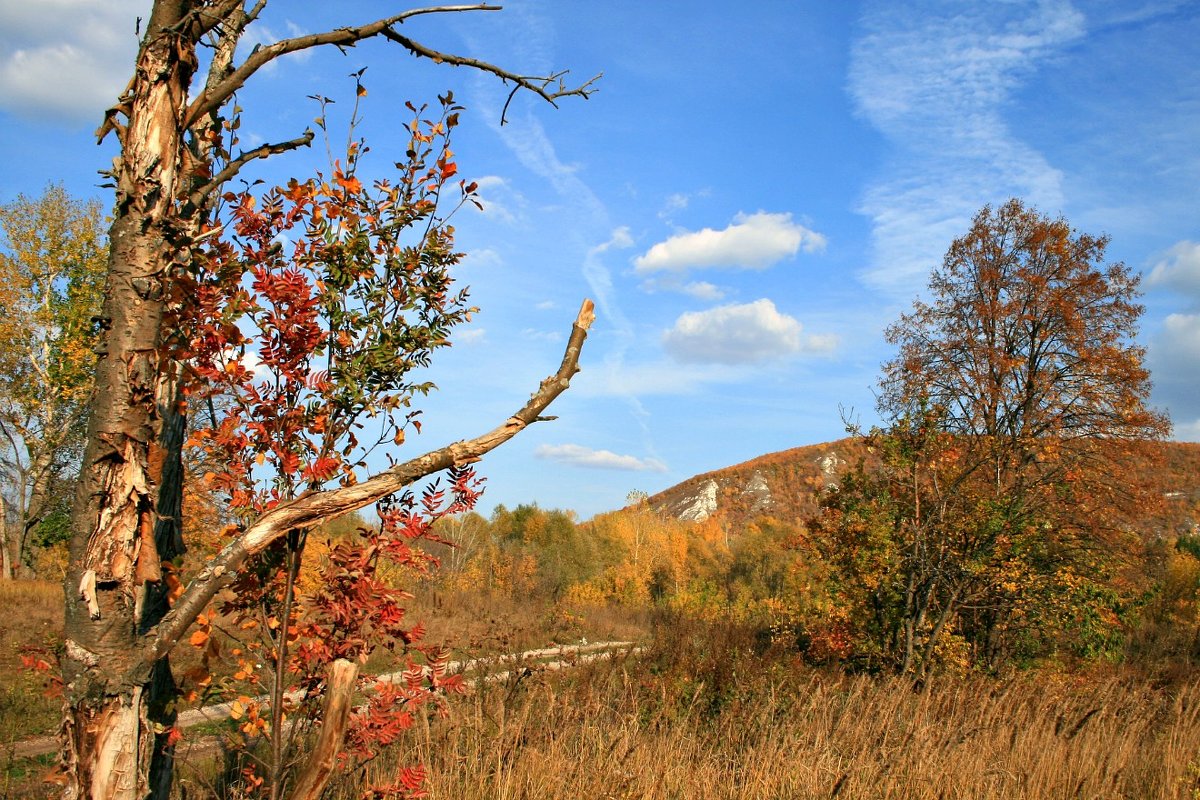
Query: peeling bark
126, 517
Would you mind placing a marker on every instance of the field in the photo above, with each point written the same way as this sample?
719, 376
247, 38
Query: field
718, 712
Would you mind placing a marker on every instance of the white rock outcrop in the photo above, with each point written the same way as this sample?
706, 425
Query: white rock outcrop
701, 505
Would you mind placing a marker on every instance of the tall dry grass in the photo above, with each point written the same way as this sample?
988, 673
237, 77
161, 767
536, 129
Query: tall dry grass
30, 617
710, 712
703, 716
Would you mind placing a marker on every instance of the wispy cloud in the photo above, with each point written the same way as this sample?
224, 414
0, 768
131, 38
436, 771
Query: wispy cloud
751, 241
579, 456
619, 240
260, 35
481, 258
66, 60
499, 200
673, 203
700, 290
740, 334
934, 77
533, 334
651, 379
470, 336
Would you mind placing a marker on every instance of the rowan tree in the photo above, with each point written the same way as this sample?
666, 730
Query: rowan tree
51, 269
1013, 411
176, 128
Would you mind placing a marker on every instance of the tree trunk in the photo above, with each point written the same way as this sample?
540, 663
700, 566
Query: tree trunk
5, 562
125, 518
115, 559
40, 467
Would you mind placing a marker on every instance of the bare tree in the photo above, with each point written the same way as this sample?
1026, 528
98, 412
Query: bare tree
126, 519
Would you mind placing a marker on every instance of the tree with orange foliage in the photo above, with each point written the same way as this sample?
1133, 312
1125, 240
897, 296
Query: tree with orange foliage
51, 269
1027, 349
1014, 408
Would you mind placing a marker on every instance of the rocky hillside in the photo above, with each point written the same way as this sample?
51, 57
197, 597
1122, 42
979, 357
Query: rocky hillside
785, 485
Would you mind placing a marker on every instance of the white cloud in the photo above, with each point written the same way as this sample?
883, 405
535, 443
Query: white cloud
1181, 336
935, 80
739, 334
751, 241
1180, 270
546, 305
66, 59
579, 456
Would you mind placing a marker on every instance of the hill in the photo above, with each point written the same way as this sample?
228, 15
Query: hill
786, 484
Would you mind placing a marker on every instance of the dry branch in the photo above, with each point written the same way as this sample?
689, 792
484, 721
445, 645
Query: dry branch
216, 95
339, 694
313, 509
235, 166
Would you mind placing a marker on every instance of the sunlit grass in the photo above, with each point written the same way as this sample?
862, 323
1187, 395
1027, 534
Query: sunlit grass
707, 716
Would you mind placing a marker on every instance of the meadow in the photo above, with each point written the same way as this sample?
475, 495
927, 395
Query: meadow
710, 709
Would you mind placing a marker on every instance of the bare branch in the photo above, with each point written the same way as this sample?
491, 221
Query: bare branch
213, 97
313, 509
547, 87
235, 166
207, 18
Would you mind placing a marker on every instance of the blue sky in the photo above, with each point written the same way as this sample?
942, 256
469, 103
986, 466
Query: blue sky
753, 195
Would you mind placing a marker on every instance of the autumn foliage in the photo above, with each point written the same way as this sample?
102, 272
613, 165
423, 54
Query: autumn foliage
304, 325
311, 317
51, 270
1001, 504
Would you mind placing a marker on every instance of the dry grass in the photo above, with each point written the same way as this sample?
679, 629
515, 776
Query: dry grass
32, 617
707, 713
704, 723
481, 624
